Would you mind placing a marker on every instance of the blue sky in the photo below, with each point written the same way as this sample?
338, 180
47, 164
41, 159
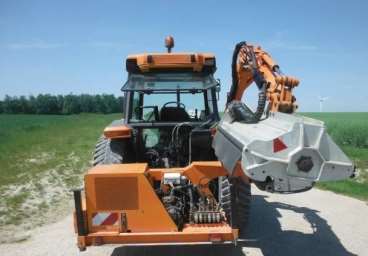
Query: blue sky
60, 47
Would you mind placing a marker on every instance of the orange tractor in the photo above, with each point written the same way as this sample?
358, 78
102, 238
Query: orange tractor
163, 173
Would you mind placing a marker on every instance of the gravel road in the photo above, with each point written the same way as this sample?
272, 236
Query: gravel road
311, 223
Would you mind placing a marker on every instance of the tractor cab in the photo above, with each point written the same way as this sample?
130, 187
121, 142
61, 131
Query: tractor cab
166, 98
170, 105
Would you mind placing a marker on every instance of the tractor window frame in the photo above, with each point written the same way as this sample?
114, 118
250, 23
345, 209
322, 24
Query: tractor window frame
155, 81
209, 101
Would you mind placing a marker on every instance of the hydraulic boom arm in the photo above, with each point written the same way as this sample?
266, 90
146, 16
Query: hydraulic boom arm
252, 64
284, 152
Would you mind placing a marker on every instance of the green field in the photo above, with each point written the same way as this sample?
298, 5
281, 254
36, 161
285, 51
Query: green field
43, 156
350, 132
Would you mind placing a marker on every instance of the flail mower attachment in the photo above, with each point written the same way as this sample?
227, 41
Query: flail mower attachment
281, 153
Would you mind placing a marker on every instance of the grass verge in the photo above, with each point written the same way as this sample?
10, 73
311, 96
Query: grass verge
42, 157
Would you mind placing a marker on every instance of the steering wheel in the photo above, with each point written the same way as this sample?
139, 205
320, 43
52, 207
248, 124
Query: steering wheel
172, 102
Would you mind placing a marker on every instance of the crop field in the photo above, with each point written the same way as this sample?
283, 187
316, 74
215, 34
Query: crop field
350, 132
42, 157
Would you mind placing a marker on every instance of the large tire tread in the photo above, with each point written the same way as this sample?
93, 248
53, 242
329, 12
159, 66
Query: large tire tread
242, 201
108, 151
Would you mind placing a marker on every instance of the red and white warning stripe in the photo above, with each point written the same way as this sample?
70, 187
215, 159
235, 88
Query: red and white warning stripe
105, 219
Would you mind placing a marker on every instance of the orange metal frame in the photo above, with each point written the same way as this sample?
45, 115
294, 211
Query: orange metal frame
144, 219
279, 90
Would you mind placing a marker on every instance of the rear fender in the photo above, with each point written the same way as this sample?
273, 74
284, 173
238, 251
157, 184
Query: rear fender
118, 130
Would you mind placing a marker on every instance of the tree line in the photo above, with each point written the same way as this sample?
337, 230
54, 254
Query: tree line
61, 104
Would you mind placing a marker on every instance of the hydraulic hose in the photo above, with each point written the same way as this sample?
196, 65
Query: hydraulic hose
234, 74
261, 103
257, 76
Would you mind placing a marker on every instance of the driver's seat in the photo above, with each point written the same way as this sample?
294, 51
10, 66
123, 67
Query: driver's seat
174, 114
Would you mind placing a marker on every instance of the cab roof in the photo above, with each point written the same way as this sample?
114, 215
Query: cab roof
151, 62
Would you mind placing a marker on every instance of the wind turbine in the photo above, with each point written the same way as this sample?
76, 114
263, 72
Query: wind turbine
321, 100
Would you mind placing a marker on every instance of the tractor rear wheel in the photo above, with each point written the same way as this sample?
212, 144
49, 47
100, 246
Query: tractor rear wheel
108, 151
237, 209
